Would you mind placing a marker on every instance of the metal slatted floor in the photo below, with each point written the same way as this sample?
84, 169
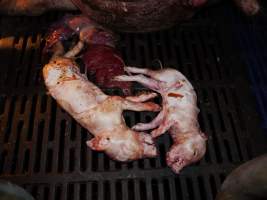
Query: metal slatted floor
43, 149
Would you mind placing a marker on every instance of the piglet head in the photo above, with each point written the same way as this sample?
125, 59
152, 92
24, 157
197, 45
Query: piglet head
121, 148
189, 149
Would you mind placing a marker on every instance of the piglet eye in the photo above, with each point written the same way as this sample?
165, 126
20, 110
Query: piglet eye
195, 153
108, 138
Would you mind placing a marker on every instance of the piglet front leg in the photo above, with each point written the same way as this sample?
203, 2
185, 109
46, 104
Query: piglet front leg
142, 97
162, 119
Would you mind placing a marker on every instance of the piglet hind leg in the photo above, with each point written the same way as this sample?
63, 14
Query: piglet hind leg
148, 72
148, 82
136, 70
151, 125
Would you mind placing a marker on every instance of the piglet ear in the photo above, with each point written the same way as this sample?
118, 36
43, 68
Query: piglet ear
98, 143
204, 136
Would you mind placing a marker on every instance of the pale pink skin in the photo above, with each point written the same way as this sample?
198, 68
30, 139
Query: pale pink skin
178, 115
99, 113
